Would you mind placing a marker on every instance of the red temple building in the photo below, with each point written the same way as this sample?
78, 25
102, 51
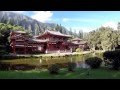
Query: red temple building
79, 43
56, 41
48, 42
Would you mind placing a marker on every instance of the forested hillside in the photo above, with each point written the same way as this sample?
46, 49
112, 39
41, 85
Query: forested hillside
30, 25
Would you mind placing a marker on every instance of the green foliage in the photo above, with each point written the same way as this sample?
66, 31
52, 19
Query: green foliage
79, 50
70, 31
54, 69
59, 28
71, 66
11, 22
2, 52
94, 62
112, 54
36, 30
74, 34
5, 30
3, 20
32, 25
112, 59
80, 34
103, 38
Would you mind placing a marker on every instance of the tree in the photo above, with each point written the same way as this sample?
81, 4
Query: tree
36, 30
118, 34
5, 30
103, 38
118, 27
112, 58
57, 27
3, 20
11, 21
64, 31
75, 34
80, 34
71, 33
29, 29
60, 29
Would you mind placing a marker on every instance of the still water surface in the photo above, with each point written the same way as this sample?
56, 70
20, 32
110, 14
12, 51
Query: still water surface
45, 62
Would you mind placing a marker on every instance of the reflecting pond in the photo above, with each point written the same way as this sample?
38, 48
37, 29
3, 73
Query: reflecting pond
46, 62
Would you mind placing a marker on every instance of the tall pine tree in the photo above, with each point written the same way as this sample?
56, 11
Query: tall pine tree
80, 34
60, 29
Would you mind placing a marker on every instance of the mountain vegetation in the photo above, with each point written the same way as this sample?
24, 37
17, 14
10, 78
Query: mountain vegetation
103, 38
31, 25
13, 21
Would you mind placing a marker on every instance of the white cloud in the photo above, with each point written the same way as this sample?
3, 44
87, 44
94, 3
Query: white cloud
65, 19
20, 12
42, 16
79, 20
84, 29
111, 24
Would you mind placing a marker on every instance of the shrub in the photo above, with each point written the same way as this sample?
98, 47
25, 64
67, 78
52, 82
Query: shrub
54, 69
94, 62
2, 52
116, 64
22, 67
112, 54
71, 66
79, 50
4, 66
108, 54
112, 59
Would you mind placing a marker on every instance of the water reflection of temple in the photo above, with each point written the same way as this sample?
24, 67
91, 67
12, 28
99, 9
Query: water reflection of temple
82, 64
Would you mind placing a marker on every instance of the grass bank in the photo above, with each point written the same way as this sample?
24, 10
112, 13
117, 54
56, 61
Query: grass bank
101, 73
12, 56
49, 55
63, 54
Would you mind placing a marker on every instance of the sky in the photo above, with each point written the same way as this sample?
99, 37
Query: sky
77, 20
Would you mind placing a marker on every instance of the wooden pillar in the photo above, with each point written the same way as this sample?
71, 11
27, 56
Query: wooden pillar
32, 47
47, 46
50, 46
14, 49
24, 47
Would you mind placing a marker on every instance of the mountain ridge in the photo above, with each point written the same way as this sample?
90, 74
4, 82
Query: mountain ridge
30, 25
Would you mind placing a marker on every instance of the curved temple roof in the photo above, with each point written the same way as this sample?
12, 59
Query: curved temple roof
80, 43
19, 31
37, 41
54, 33
76, 39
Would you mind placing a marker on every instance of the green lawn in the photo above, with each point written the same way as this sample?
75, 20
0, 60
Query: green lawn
63, 74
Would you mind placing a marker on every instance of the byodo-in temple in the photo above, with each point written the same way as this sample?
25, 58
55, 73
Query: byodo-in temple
48, 42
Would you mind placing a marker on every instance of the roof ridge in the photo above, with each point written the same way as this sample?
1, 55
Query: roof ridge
55, 33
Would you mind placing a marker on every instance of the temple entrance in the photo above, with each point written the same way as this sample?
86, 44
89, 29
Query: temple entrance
20, 50
59, 45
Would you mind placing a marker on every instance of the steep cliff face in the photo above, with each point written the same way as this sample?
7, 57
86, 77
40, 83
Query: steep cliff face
31, 25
